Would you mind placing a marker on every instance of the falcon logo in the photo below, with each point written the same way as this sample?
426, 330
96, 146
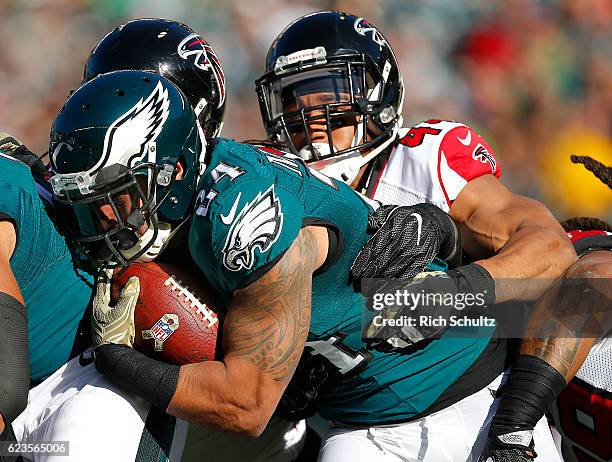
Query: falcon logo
481, 154
362, 27
128, 137
257, 225
205, 59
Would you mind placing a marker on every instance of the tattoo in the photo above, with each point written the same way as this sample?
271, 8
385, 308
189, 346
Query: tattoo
560, 353
556, 331
269, 320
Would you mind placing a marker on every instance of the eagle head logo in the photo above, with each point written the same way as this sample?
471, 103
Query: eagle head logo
258, 225
204, 58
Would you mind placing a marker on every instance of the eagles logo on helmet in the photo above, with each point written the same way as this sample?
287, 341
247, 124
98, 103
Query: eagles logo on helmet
128, 178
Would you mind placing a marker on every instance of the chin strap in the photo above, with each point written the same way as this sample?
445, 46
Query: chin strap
164, 234
346, 167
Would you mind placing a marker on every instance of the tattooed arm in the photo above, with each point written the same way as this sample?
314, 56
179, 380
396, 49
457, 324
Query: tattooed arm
263, 337
566, 323
569, 319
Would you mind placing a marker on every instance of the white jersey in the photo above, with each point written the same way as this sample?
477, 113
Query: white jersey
583, 414
432, 162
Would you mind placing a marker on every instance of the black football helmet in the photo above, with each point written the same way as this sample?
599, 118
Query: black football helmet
347, 59
172, 50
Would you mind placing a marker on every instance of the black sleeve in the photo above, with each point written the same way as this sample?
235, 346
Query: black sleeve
14, 358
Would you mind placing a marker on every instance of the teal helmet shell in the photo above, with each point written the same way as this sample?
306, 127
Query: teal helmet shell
117, 128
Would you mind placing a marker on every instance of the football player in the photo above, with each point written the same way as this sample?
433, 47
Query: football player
52, 413
272, 236
333, 93
174, 51
562, 344
37, 274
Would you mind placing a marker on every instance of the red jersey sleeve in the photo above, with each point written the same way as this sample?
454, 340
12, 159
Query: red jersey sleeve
468, 154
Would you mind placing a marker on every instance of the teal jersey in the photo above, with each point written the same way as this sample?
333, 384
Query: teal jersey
55, 296
251, 206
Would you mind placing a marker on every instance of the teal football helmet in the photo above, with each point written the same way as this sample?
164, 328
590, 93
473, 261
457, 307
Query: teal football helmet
126, 153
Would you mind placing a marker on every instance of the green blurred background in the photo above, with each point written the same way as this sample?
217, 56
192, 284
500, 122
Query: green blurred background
533, 77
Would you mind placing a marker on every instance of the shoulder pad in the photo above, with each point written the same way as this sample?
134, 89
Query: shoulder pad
586, 242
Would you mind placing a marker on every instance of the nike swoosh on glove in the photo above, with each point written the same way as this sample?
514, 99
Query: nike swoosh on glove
514, 446
405, 240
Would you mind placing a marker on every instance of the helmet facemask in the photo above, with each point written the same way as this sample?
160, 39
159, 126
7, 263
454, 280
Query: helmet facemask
341, 91
116, 209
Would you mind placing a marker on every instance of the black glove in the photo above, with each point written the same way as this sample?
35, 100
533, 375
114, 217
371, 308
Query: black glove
405, 240
398, 325
514, 446
313, 375
11, 146
431, 295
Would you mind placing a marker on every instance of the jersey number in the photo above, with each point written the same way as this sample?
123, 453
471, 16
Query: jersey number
345, 359
416, 135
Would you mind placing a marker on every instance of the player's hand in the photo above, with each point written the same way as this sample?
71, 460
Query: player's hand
313, 376
514, 446
11, 146
405, 240
389, 330
114, 324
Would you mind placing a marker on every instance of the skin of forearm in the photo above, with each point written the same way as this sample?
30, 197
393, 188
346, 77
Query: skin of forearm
529, 261
209, 394
555, 332
512, 237
263, 337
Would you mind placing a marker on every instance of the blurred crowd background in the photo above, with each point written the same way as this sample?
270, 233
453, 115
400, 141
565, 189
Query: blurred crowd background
533, 77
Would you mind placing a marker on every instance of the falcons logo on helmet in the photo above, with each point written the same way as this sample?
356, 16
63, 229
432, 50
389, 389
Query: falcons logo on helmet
257, 225
362, 27
205, 59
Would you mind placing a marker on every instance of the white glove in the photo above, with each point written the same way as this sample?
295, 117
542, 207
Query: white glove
114, 324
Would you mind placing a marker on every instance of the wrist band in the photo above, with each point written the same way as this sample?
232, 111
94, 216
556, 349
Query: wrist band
152, 380
532, 388
474, 279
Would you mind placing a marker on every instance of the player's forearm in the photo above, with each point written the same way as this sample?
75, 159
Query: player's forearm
566, 355
231, 397
530, 256
569, 319
228, 396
